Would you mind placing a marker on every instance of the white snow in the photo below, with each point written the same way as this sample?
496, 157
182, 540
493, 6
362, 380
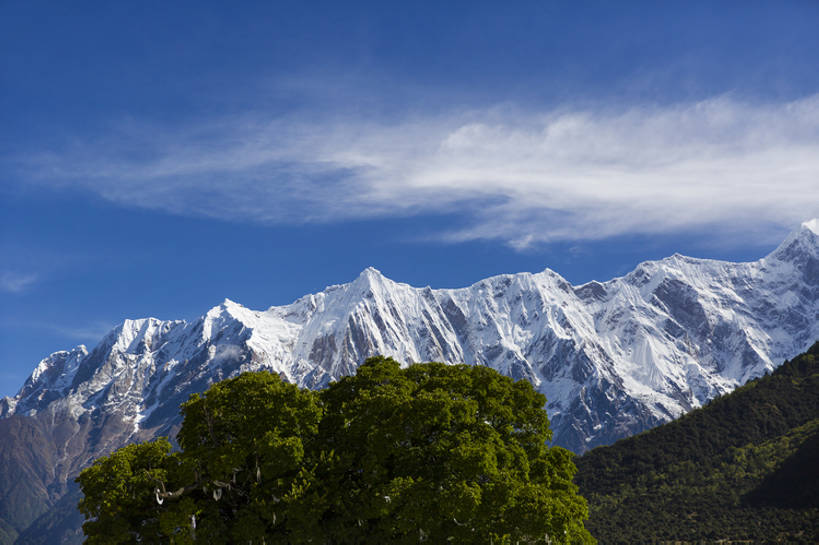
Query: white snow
666, 337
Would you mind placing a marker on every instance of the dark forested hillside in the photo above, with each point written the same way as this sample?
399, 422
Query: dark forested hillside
744, 468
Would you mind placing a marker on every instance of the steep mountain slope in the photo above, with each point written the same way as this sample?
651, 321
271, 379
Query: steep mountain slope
741, 468
613, 358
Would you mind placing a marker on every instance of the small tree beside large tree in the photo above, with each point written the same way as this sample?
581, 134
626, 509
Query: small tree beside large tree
429, 453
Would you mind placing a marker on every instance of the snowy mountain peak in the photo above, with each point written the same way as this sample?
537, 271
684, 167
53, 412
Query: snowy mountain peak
612, 357
51, 378
58, 365
370, 278
800, 247
233, 310
808, 233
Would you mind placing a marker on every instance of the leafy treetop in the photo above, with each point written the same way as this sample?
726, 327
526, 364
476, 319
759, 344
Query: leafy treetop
429, 453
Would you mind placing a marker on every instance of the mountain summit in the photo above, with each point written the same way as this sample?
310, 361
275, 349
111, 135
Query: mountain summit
613, 358
662, 339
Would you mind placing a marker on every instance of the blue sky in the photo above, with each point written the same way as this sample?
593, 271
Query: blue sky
157, 158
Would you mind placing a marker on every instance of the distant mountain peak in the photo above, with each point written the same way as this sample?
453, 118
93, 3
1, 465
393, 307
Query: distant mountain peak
612, 358
801, 246
807, 230
370, 276
369, 282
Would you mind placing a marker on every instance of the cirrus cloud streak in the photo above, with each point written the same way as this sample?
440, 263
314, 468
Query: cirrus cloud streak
519, 176
16, 282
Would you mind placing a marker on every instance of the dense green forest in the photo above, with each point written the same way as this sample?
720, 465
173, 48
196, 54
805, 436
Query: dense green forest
742, 469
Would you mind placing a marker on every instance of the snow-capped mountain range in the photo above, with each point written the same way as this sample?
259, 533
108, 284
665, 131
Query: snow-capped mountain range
613, 358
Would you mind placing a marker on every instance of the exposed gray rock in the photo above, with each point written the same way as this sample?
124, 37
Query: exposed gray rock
612, 358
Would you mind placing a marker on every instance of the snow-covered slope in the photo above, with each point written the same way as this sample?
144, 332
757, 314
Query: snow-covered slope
612, 358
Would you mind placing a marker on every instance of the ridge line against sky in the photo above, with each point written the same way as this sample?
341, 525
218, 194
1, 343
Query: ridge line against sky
157, 157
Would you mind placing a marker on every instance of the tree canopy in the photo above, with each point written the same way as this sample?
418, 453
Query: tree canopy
429, 453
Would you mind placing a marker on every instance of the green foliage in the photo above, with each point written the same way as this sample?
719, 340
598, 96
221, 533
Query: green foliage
431, 453
741, 468
444, 452
119, 494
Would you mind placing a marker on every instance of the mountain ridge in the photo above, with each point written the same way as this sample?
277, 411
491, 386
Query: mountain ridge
613, 358
279, 334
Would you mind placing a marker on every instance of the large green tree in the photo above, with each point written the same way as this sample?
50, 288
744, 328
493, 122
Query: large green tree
431, 452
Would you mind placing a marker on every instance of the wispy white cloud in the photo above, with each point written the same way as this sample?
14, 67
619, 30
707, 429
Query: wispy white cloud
15, 282
89, 332
518, 176
226, 353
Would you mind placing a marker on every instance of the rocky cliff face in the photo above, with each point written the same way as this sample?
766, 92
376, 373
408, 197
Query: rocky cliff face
613, 358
